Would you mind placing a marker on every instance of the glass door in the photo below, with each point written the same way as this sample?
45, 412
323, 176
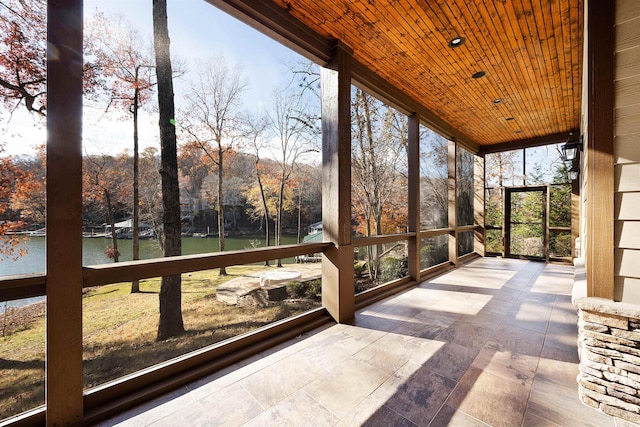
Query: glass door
526, 222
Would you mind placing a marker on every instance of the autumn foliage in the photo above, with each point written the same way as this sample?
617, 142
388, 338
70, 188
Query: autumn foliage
23, 57
14, 182
23, 68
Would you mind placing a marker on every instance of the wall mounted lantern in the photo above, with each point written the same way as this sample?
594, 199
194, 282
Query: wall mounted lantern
574, 172
571, 149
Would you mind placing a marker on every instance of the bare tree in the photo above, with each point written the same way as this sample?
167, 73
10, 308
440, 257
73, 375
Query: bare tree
171, 323
214, 119
151, 190
255, 128
126, 63
378, 151
294, 137
434, 198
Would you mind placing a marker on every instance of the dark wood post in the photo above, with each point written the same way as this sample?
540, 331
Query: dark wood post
413, 156
338, 295
64, 382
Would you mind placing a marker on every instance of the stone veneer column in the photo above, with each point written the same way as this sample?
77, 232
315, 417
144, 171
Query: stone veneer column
609, 351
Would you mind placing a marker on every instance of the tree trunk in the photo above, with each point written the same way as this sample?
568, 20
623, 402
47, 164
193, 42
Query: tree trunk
114, 237
371, 267
135, 285
299, 239
171, 323
267, 239
223, 271
378, 256
279, 220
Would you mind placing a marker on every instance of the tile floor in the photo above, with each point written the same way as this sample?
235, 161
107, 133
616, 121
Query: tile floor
492, 343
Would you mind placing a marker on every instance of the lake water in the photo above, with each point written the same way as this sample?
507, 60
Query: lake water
93, 251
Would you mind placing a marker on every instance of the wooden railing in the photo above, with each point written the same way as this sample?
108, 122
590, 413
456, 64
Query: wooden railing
110, 398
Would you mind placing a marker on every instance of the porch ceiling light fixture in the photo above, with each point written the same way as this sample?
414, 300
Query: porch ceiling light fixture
456, 42
570, 150
497, 100
478, 74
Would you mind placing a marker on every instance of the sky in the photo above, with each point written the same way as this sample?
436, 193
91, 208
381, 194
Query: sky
197, 30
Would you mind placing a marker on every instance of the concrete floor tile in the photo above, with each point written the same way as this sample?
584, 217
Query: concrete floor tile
531, 420
274, 383
484, 318
372, 413
230, 406
517, 340
466, 334
507, 364
435, 317
192, 416
532, 315
210, 384
490, 399
499, 307
400, 312
328, 351
419, 333
448, 416
344, 387
366, 334
562, 406
389, 353
558, 372
376, 322
452, 360
296, 410
560, 347
623, 423
420, 396
153, 410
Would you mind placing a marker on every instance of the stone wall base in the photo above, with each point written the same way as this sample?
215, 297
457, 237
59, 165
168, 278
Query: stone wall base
609, 351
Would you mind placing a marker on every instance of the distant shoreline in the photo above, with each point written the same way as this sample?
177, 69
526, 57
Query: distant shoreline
20, 303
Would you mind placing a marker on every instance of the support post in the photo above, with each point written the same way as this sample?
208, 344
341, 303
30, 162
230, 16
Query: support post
479, 234
64, 382
338, 294
452, 191
600, 260
413, 154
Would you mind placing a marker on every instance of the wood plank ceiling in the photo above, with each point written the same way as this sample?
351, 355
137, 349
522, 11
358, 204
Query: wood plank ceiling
529, 50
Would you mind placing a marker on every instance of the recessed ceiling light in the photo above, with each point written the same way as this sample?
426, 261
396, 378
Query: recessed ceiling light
518, 131
478, 74
456, 41
497, 100
510, 118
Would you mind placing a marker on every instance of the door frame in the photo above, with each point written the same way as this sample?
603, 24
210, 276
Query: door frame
506, 230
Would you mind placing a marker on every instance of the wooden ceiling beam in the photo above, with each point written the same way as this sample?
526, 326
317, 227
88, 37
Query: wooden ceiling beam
275, 22
555, 138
